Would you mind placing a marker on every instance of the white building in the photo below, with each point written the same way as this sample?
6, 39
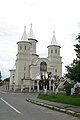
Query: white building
28, 65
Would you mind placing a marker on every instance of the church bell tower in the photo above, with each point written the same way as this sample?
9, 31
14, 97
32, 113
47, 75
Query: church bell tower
54, 56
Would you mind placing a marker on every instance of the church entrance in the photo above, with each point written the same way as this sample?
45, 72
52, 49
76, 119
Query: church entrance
40, 85
43, 75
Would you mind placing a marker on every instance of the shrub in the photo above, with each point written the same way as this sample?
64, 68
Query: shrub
67, 88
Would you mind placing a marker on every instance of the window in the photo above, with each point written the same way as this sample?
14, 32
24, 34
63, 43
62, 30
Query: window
43, 66
25, 47
24, 68
51, 51
56, 51
24, 75
56, 70
20, 47
28, 48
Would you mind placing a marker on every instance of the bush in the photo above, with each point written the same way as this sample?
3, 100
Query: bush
67, 88
77, 91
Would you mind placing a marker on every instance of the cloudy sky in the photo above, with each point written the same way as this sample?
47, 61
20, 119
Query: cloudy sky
63, 16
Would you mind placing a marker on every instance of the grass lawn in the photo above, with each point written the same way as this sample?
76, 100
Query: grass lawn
62, 98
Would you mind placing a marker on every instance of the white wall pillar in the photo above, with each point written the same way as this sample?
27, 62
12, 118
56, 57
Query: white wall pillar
53, 87
45, 90
38, 86
33, 85
14, 87
56, 92
72, 91
10, 87
21, 87
49, 84
29, 88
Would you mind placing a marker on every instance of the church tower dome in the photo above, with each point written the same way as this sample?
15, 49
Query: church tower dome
53, 48
24, 36
31, 33
24, 45
33, 41
54, 41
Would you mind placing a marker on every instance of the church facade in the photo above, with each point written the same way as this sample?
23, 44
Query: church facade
28, 66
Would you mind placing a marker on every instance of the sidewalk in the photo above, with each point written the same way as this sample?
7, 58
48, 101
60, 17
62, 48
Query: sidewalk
69, 109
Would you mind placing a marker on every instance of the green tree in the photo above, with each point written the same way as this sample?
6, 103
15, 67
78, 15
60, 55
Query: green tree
67, 88
7, 79
0, 76
73, 70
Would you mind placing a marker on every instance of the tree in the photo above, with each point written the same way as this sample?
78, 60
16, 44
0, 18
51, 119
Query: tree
67, 88
0, 76
73, 70
7, 79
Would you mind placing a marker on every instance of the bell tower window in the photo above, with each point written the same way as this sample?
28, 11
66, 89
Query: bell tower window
51, 51
20, 47
56, 51
25, 47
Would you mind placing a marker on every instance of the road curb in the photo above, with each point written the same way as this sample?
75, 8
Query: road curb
67, 111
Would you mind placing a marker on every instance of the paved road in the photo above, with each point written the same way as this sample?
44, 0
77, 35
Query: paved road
15, 107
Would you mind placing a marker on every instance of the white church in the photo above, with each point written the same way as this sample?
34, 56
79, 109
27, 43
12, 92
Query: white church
28, 66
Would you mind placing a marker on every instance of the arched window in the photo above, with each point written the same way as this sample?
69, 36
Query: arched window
43, 66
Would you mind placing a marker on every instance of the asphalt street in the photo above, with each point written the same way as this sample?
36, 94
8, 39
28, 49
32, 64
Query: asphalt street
15, 107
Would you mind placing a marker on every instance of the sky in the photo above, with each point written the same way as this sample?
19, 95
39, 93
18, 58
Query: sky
61, 16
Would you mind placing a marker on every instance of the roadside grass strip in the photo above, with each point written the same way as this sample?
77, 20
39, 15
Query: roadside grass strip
67, 111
